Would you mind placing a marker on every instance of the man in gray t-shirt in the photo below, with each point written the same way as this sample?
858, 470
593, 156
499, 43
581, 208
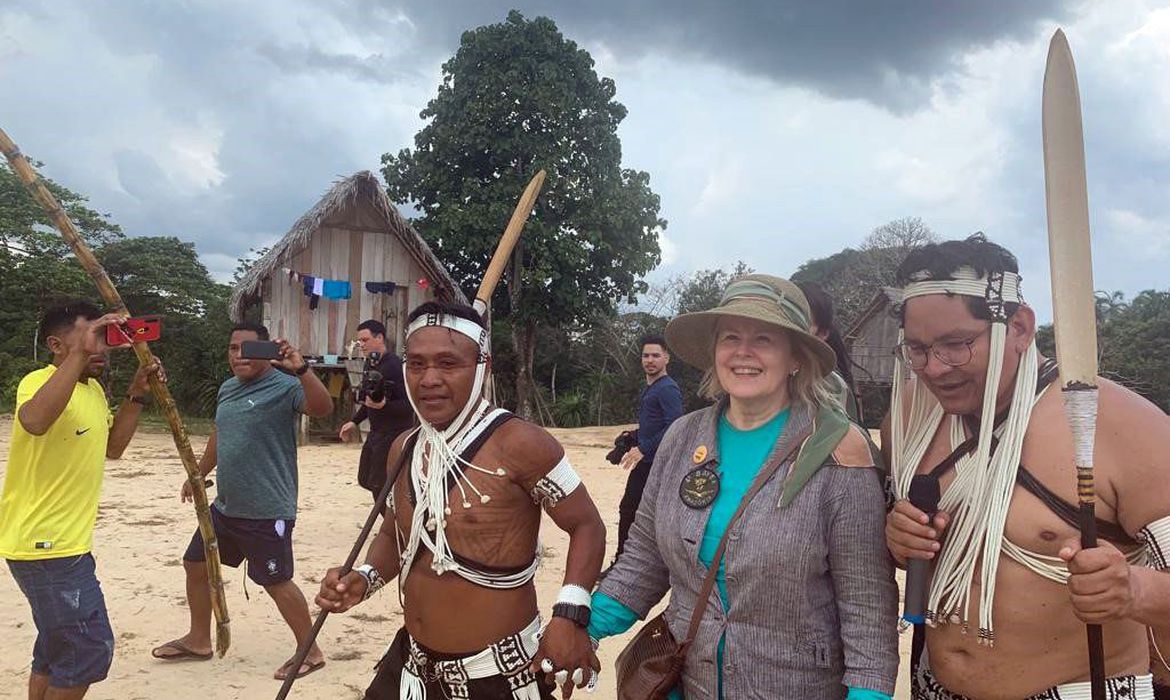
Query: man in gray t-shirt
254, 447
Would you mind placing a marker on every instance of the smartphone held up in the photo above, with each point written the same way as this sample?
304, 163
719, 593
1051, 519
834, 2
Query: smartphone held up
259, 350
142, 329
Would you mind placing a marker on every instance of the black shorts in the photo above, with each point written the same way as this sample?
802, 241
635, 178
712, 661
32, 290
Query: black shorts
266, 544
372, 465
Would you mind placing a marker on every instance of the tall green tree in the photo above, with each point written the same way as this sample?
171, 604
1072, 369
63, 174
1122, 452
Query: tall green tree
163, 275
36, 268
517, 97
1132, 337
852, 277
26, 229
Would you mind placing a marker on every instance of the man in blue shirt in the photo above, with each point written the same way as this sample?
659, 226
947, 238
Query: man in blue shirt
660, 404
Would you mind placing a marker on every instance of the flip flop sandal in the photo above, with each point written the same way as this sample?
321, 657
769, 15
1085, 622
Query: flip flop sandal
311, 668
185, 652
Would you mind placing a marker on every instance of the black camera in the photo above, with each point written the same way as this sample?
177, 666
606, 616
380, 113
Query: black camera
373, 385
623, 443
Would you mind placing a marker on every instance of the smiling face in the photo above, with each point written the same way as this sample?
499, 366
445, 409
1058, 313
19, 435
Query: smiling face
440, 373
940, 319
753, 361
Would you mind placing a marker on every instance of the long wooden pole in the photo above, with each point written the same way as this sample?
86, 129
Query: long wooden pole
1073, 299
495, 268
490, 278
162, 394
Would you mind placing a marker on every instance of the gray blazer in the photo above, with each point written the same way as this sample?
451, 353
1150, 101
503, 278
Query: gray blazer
813, 603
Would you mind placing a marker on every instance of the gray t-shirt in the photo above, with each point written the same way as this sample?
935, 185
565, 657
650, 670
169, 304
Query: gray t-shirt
256, 430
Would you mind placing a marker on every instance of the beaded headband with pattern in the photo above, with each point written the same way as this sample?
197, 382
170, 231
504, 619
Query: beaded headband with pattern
997, 288
477, 333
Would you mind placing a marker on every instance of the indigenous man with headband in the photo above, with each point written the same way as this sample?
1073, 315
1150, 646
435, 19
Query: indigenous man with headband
461, 536
1011, 588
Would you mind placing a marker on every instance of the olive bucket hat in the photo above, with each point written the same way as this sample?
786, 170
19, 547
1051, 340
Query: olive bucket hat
764, 298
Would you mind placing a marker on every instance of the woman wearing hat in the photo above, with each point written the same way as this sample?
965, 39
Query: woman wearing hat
806, 602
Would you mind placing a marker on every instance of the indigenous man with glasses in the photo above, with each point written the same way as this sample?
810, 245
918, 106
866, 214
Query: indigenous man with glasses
1010, 586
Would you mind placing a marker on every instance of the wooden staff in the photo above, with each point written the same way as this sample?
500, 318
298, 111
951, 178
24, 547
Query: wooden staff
490, 278
1073, 298
495, 268
162, 395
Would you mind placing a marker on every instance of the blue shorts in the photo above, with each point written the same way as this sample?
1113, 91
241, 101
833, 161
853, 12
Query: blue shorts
266, 544
75, 645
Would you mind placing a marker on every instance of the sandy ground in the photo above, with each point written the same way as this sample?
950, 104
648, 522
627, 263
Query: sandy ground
142, 530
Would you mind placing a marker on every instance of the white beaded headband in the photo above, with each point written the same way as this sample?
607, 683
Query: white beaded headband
997, 288
471, 329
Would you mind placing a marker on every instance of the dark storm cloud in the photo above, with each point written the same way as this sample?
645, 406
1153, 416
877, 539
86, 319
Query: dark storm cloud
887, 53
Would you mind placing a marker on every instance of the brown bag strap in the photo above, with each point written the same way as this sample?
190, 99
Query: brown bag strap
709, 582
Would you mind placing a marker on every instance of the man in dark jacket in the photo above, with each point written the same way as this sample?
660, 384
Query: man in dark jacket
659, 405
388, 416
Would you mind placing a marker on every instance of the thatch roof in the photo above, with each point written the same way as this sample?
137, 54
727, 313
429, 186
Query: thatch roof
362, 185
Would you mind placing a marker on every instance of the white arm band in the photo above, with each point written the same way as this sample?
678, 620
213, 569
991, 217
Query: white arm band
553, 487
1156, 537
573, 594
374, 580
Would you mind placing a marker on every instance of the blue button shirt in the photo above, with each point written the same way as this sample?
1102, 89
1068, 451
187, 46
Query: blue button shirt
661, 404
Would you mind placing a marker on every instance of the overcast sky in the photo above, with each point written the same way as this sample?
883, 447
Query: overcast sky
774, 131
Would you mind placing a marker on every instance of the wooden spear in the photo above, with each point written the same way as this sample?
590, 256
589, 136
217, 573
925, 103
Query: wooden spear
482, 299
1073, 300
162, 394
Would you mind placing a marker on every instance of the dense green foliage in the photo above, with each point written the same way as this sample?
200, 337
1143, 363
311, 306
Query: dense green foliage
154, 275
518, 97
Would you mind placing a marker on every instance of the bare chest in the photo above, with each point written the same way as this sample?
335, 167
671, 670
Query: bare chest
1047, 455
485, 515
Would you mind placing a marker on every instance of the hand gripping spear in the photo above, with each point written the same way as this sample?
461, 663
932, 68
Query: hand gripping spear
483, 299
1073, 300
161, 393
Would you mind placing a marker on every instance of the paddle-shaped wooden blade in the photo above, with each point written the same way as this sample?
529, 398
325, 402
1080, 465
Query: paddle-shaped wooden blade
499, 261
1073, 300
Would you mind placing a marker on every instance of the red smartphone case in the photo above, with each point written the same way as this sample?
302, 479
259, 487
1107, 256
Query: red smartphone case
141, 329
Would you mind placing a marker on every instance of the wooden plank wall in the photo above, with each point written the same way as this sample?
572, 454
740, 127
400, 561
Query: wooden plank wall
873, 349
353, 246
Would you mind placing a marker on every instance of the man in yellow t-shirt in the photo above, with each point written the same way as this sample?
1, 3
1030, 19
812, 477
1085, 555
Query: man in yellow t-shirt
61, 438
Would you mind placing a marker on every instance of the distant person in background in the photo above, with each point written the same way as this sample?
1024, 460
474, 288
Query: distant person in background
825, 328
389, 415
659, 405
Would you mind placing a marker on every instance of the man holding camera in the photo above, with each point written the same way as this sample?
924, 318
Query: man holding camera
659, 405
381, 399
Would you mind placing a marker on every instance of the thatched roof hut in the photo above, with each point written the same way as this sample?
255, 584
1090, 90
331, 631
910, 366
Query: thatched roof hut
354, 234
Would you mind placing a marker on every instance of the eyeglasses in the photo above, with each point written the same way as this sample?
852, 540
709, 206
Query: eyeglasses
952, 353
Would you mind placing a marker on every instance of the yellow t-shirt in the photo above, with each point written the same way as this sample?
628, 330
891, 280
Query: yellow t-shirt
53, 480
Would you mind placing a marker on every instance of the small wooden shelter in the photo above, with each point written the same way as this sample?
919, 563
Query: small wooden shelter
871, 343
356, 235
353, 235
